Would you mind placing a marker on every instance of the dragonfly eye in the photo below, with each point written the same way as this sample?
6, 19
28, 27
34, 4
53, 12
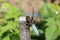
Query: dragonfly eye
29, 21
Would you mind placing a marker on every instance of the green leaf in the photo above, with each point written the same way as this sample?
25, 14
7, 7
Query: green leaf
6, 38
53, 29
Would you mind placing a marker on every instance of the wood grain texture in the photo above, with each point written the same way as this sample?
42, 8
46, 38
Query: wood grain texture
24, 32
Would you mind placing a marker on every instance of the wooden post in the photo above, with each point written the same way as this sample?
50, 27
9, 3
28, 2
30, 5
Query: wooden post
24, 31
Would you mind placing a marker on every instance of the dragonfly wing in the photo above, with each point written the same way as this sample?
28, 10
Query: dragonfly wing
35, 29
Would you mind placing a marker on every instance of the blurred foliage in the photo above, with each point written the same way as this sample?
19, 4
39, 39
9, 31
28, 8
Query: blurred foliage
9, 22
49, 27
48, 14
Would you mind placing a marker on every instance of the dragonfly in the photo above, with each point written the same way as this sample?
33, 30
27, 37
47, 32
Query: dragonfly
33, 25
30, 22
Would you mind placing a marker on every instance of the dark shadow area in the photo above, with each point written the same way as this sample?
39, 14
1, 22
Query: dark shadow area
42, 37
4, 35
41, 25
58, 38
11, 19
